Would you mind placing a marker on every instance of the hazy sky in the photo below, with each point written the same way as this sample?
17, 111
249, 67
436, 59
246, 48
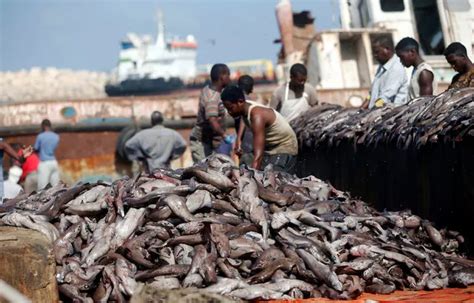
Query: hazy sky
85, 34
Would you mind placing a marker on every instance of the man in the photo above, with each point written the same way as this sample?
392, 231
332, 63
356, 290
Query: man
46, 143
274, 141
456, 55
295, 96
244, 143
6, 148
422, 82
157, 146
209, 132
391, 82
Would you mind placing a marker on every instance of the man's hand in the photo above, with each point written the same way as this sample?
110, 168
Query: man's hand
365, 104
238, 148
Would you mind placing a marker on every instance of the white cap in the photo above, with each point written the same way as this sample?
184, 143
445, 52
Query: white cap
14, 174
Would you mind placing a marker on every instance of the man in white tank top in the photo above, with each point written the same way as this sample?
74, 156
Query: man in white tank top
422, 82
296, 96
274, 141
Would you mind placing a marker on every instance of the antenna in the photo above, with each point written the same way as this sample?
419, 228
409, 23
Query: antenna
160, 38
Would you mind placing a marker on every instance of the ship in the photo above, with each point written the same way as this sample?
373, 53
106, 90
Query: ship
147, 67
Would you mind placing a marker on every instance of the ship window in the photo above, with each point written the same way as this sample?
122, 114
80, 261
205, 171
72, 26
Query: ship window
428, 24
392, 5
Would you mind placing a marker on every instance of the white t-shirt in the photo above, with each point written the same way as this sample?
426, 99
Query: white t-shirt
11, 190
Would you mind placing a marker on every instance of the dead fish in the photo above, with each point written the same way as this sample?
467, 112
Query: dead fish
380, 288
434, 234
190, 228
228, 270
183, 254
285, 285
157, 193
242, 246
21, 220
198, 200
193, 280
241, 229
73, 293
89, 196
200, 254
177, 270
253, 292
101, 247
225, 285
358, 264
224, 206
149, 186
63, 246
267, 272
272, 196
462, 277
126, 227
87, 209
178, 206
162, 212
322, 271
208, 268
267, 257
219, 181
220, 240
162, 282
125, 272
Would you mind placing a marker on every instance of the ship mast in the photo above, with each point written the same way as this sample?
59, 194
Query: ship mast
160, 38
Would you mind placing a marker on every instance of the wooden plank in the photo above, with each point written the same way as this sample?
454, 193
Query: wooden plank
27, 263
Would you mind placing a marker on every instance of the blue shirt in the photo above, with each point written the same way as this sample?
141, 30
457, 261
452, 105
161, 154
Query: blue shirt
46, 144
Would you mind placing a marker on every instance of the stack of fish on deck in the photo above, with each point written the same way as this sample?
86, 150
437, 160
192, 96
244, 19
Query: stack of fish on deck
448, 117
241, 233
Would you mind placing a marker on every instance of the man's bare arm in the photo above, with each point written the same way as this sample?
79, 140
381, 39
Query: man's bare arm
258, 130
426, 83
216, 127
9, 150
238, 142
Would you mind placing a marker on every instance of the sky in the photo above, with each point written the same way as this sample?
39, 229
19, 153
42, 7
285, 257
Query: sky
85, 34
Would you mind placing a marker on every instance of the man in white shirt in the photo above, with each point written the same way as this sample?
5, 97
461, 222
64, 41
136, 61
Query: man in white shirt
390, 84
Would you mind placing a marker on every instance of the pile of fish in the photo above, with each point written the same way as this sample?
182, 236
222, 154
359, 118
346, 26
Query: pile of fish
447, 117
241, 233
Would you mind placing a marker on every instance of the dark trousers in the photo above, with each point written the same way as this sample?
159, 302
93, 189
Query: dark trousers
280, 162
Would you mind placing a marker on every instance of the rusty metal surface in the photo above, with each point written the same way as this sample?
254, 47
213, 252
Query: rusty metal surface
175, 106
83, 155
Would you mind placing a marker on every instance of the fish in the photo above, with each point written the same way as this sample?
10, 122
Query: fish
177, 270
267, 272
244, 233
63, 245
126, 227
178, 206
161, 282
253, 292
210, 177
322, 271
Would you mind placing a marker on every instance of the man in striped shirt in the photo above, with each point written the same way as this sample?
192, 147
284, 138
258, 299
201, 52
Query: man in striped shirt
209, 132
